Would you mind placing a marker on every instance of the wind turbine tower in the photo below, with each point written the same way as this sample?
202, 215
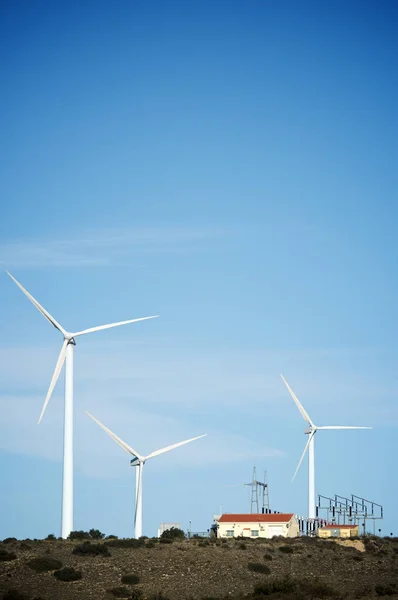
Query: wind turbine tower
139, 461
66, 356
311, 430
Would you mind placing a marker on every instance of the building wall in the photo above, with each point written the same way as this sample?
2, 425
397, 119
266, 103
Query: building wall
254, 530
324, 533
345, 532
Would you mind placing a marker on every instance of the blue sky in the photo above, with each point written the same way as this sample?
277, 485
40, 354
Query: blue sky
232, 167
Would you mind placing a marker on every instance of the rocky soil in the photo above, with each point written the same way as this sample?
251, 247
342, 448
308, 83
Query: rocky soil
302, 568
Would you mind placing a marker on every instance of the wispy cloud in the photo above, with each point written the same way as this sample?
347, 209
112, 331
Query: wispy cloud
100, 248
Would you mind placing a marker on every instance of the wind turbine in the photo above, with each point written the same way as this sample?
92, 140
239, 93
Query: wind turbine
311, 431
66, 356
138, 461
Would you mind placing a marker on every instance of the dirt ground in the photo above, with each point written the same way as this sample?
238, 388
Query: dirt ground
197, 569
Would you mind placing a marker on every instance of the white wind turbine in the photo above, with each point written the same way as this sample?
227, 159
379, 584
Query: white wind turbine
139, 461
66, 356
311, 431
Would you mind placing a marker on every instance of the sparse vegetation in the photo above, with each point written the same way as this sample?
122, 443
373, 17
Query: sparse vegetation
125, 543
197, 569
130, 579
68, 574
40, 564
286, 549
388, 589
259, 568
87, 548
120, 592
79, 535
294, 588
14, 594
267, 557
6, 555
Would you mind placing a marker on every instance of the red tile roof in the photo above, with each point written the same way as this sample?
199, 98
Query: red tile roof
337, 526
255, 518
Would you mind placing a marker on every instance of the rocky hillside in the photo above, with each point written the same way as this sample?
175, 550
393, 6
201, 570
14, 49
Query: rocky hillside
302, 568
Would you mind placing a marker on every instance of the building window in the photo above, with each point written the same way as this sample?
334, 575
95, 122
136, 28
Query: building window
254, 533
230, 533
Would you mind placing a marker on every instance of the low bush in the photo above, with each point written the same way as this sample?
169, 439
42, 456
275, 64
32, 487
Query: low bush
130, 579
13, 594
111, 537
91, 549
68, 574
168, 541
267, 557
150, 544
173, 533
137, 594
44, 563
242, 546
79, 535
24, 546
126, 543
51, 538
286, 549
9, 540
386, 589
202, 543
95, 534
294, 588
5, 555
259, 568
120, 592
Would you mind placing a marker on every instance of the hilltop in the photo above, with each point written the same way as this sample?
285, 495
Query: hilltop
301, 568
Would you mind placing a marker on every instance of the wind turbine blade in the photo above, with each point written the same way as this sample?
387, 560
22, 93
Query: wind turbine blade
117, 439
302, 410
57, 371
303, 454
168, 448
343, 427
101, 327
38, 306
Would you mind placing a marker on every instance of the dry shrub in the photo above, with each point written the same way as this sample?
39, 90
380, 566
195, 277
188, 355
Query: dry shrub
5, 555
91, 549
120, 592
286, 549
44, 563
259, 568
130, 579
68, 574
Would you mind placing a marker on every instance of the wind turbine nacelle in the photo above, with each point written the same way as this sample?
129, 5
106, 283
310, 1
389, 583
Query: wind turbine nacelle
134, 462
308, 430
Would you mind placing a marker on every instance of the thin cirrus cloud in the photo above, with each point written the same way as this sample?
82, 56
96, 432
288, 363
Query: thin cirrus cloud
97, 455
104, 247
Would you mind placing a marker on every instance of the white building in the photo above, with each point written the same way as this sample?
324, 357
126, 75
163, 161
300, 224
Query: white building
257, 525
